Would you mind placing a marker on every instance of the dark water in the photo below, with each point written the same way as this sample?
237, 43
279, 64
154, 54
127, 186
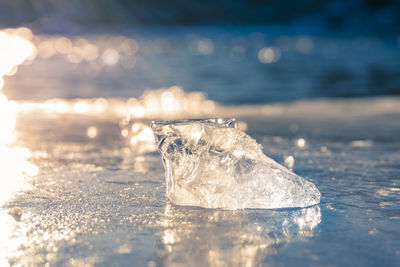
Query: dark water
361, 16
224, 62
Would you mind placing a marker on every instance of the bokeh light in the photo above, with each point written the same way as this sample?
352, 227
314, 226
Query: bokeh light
269, 55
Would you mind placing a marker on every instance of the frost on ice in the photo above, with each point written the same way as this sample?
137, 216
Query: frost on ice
212, 164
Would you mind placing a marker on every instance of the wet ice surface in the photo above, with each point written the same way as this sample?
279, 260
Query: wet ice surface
212, 164
99, 201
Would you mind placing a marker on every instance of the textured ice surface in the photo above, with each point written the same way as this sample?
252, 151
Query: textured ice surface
212, 164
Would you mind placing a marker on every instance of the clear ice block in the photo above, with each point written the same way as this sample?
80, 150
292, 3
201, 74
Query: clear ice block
212, 164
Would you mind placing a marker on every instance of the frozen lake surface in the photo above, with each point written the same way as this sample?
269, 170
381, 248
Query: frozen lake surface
98, 200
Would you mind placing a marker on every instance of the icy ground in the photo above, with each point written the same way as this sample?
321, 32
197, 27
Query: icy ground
99, 197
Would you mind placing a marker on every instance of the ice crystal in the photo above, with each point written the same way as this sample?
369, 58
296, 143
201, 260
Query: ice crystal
212, 164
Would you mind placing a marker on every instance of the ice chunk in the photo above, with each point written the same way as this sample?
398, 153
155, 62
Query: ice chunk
212, 164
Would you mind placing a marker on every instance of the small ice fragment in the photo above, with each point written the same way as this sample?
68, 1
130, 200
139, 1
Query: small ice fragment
212, 164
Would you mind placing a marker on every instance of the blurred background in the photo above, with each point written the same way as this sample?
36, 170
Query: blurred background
363, 16
237, 53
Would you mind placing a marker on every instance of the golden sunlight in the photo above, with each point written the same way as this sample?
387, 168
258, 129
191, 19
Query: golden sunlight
15, 48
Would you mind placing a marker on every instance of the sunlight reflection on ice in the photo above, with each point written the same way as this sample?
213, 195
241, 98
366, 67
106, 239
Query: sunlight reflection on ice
14, 49
14, 164
250, 240
164, 103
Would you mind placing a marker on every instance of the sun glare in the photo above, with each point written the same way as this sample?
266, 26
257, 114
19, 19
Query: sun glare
15, 48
